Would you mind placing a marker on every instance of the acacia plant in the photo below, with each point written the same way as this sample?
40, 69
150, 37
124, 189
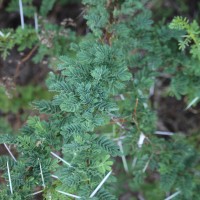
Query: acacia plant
101, 110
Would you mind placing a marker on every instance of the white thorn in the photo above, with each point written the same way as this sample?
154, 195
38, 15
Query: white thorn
21, 13
192, 103
140, 197
115, 120
36, 21
146, 165
9, 178
100, 184
151, 91
68, 194
54, 176
10, 152
41, 173
122, 97
141, 140
173, 195
134, 162
55, 155
123, 157
119, 138
164, 133
38, 192
1, 34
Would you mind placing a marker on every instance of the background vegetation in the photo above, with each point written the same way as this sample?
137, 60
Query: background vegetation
161, 96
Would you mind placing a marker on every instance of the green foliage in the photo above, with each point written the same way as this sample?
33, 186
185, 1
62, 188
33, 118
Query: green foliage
105, 195
192, 31
21, 97
53, 45
46, 6
21, 38
103, 85
50, 40
186, 82
28, 7
6, 43
25, 38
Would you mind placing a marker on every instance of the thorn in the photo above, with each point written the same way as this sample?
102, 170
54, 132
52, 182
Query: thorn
21, 13
146, 165
141, 140
36, 21
9, 178
164, 133
54, 176
35, 193
68, 194
152, 90
122, 97
43, 184
192, 103
1, 34
173, 195
100, 184
123, 157
10, 152
55, 155
134, 162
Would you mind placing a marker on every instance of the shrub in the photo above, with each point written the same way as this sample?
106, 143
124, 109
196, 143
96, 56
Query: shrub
100, 110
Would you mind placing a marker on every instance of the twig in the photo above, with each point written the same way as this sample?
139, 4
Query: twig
24, 60
116, 121
134, 115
